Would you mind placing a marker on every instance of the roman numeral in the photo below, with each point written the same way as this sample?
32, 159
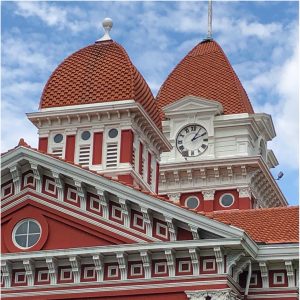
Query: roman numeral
203, 146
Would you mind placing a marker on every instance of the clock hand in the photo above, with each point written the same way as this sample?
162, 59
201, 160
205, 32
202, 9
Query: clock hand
196, 134
196, 137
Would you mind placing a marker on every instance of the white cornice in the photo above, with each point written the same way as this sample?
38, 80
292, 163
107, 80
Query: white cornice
280, 252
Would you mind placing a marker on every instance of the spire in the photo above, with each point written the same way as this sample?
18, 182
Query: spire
209, 19
107, 24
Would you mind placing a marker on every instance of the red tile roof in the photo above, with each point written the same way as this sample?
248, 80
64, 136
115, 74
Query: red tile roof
101, 72
267, 225
206, 72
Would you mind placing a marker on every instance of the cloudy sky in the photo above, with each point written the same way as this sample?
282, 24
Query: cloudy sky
260, 39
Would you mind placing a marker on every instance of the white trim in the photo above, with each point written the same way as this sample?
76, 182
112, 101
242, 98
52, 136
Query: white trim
279, 274
26, 179
92, 200
115, 208
254, 277
109, 269
157, 230
135, 224
184, 262
18, 274
47, 183
40, 276
10, 185
70, 190
136, 266
86, 269
190, 197
226, 194
158, 264
209, 260
62, 274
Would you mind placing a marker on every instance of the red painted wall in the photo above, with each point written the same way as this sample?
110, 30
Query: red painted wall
126, 178
70, 148
43, 144
199, 195
218, 195
183, 234
126, 146
97, 148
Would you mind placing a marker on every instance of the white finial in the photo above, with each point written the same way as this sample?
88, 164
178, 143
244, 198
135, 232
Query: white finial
107, 24
209, 31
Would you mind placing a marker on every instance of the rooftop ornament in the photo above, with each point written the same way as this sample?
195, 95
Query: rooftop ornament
107, 24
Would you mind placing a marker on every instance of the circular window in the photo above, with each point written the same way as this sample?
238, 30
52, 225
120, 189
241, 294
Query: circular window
192, 202
58, 138
113, 133
26, 233
85, 135
227, 200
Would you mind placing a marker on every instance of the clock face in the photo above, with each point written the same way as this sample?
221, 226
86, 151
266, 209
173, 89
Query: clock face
192, 140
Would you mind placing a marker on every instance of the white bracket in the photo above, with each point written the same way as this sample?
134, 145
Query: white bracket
99, 267
290, 273
175, 197
17, 177
240, 268
232, 260
220, 295
37, 176
171, 227
170, 256
194, 253
75, 265
103, 203
52, 267
208, 194
122, 261
147, 220
125, 212
264, 274
6, 273
29, 271
81, 194
146, 259
194, 230
219, 259
59, 185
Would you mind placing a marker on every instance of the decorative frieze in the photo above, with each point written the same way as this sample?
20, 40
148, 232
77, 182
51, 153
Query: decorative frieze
218, 295
125, 211
122, 261
170, 256
75, 265
59, 185
81, 192
219, 259
29, 271
52, 267
171, 228
290, 273
17, 177
99, 266
240, 268
195, 233
244, 192
194, 253
37, 176
103, 203
175, 197
208, 194
147, 220
6, 273
264, 274
232, 259
146, 259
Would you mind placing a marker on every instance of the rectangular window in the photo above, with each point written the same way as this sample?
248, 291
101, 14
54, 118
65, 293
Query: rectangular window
95, 204
209, 265
72, 195
253, 279
138, 221
43, 276
162, 230
184, 266
20, 277
113, 271
136, 270
7, 190
160, 268
116, 213
89, 272
65, 274
50, 186
29, 180
278, 278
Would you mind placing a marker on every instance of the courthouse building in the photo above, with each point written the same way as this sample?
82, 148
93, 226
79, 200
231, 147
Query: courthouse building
134, 197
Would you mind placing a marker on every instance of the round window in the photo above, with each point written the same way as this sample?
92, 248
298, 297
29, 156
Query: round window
26, 233
58, 138
192, 202
113, 133
227, 200
85, 135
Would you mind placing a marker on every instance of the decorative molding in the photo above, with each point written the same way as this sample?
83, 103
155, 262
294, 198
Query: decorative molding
122, 261
220, 295
103, 203
170, 256
146, 259
208, 194
240, 268
17, 177
171, 228
59, 185
52, 267
264, 274
232, 259
29, 271
194, 253
219, 259
6, 273
81, 192
99, 266
147, 220
290, 273
195, 233
175, 197
244, 192
37, 176
75, 265
125, 211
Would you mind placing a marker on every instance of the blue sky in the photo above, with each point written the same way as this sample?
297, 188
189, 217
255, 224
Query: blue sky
260, 39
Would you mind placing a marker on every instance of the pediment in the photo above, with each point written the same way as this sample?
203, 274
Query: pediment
193, 104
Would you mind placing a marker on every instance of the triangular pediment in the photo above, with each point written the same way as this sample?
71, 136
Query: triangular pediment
193, 104
179, 222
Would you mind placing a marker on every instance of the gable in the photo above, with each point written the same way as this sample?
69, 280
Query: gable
192, 104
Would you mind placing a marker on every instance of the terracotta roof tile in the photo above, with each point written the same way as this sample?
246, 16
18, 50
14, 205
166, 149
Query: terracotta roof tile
205, 72
102, 72
267, 225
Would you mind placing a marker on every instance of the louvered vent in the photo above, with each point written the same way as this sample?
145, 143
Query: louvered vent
133, 158
57, 152
84, 155
111, 155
